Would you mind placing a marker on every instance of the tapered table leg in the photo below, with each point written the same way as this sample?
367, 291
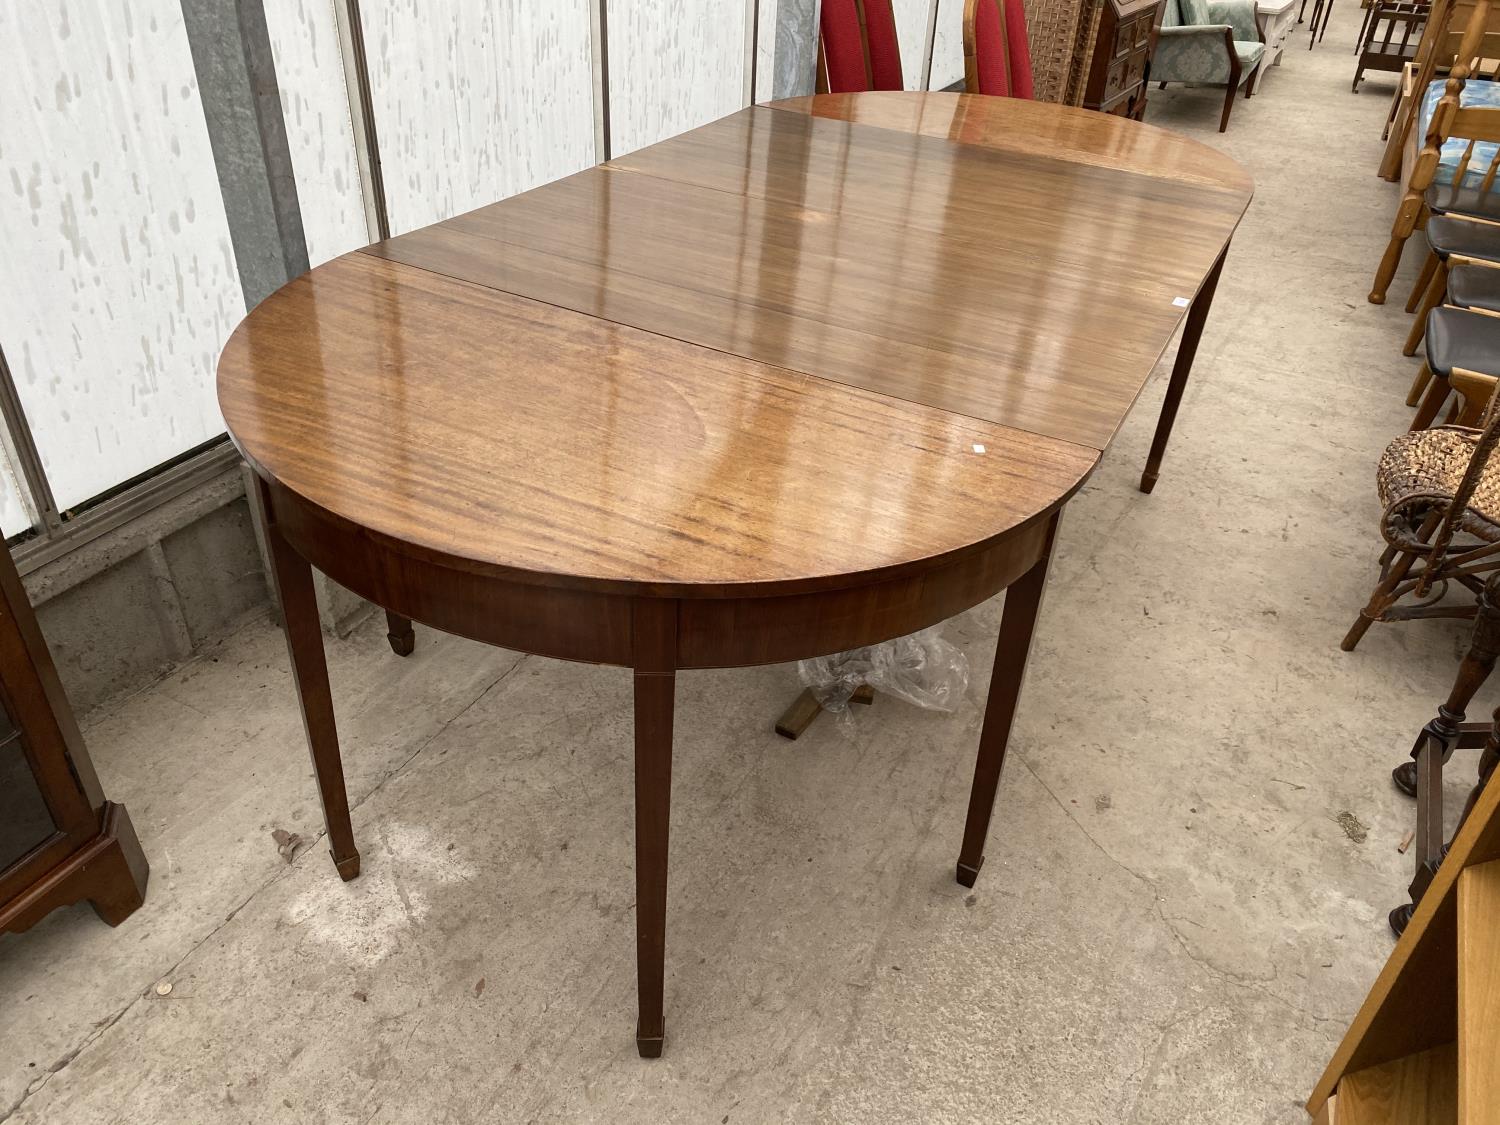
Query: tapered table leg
1023, 601
1192, 332
655, 645
304, 642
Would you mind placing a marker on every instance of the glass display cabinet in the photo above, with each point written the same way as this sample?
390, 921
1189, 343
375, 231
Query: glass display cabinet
60, 841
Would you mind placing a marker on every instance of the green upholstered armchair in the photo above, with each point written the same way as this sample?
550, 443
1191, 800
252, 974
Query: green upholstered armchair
1209, 43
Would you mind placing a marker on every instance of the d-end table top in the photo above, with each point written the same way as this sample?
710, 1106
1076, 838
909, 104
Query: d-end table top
783, 352
510, 437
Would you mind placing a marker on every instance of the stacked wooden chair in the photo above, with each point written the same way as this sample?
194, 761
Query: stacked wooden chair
1446, 128
1390, 35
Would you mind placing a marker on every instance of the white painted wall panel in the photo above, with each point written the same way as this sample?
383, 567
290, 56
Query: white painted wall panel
117, 278
673, 65
948, 45
911, 34
476, 100
315, 105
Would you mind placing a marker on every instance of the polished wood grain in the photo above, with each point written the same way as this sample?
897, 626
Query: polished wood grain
592, 625
1479, 992
1413, 1004
1008, 287
1418, 1089
1012, 125
512, 438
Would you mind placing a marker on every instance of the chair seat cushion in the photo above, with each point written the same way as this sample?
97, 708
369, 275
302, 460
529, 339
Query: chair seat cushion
1448, 235
1476, 92
1249, 53
1429, 465
1458, 199
1474, 287
1459, 338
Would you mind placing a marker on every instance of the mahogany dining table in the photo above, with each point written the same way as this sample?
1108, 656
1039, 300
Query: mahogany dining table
813, 376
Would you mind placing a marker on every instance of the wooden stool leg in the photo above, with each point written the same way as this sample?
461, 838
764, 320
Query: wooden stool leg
1023, 602
399, 632
655, 645
1192, 332
304, 644
1419, 384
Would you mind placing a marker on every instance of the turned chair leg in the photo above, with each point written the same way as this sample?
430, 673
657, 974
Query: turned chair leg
1440, 737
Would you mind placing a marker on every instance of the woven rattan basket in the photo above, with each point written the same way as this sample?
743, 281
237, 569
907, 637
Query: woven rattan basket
1062, 34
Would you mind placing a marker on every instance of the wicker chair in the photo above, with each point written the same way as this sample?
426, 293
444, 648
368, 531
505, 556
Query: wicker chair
1442, 513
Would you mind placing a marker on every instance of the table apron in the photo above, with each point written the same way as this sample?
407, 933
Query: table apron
596, 627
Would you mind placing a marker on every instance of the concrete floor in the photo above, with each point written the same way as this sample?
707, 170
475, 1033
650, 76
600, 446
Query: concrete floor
1172, 924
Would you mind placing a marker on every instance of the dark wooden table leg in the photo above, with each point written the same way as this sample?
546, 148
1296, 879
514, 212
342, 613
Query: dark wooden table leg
655, 647
399, 632
1023, 601
1192, 332
304, 643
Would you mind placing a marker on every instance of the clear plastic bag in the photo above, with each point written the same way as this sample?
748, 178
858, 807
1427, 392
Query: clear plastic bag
922, 669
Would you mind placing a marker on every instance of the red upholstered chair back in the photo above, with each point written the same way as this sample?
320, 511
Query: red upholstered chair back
997, 53
857, 47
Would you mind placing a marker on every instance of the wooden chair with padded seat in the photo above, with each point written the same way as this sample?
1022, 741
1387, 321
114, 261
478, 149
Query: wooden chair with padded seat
1450, 131
1462, 339
997, 49
857, 47
1479, 203
1454, 241
1441, 518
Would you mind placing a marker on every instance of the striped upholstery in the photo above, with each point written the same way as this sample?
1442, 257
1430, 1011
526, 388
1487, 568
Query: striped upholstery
847, 46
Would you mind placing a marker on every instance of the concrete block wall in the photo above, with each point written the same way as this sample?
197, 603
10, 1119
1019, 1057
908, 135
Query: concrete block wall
124, 609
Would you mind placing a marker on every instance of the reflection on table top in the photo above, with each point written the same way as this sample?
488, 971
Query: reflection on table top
763, 353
